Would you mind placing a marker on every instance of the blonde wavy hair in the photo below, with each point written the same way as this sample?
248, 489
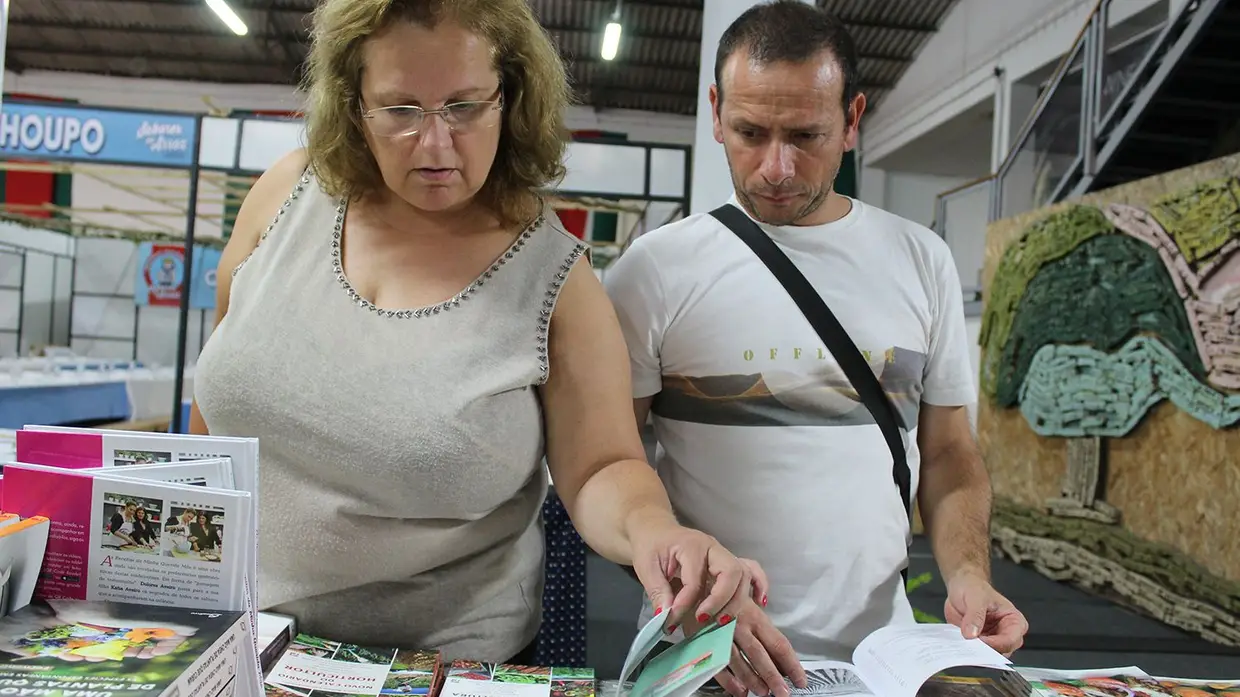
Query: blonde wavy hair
535, 85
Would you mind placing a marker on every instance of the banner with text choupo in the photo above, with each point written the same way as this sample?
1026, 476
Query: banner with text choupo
160, 277
53, 132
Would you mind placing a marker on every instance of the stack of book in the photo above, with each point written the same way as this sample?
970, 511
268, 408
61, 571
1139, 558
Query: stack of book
140, 564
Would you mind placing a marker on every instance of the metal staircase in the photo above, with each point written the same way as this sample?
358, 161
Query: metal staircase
1126, 104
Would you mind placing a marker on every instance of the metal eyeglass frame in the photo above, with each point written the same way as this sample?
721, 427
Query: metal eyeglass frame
496, 103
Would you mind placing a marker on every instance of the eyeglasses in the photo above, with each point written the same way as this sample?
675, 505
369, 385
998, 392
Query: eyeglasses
406, 120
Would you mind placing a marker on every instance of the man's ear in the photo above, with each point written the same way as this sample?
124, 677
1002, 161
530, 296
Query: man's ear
852, 129
716, 101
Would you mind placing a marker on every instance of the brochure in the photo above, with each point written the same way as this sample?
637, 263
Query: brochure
74, 647
475, 679
317, 667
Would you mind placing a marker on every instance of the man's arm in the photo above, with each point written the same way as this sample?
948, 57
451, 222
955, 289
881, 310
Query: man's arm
954, 495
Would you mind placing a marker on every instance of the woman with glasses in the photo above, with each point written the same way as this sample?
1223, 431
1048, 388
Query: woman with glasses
408, 330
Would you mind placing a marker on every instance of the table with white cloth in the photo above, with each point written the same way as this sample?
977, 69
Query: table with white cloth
65, 391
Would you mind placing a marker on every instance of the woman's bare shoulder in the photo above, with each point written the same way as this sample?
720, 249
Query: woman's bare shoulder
266, 196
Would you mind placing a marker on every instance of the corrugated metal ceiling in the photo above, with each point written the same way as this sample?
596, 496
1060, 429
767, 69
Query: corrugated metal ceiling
656, 70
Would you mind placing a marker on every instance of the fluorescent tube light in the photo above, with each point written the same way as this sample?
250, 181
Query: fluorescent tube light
611, 40
229, 17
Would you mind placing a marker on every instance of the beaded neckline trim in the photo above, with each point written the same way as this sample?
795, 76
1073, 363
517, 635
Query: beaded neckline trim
548, 307
416, 313
288, 202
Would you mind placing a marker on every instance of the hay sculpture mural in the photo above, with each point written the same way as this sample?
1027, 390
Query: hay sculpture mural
1107, 320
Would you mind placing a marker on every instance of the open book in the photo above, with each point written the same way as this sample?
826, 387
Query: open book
922, 660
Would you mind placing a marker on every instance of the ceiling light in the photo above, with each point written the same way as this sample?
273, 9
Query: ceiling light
229, 17
611, 40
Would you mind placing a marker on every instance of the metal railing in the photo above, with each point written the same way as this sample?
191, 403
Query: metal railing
1090, 100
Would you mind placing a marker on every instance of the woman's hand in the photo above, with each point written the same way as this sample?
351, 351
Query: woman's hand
711, 580
761, 654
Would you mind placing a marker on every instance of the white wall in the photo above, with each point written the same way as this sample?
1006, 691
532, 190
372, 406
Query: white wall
912, 195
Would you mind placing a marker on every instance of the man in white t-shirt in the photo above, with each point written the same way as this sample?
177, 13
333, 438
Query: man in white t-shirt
763, 443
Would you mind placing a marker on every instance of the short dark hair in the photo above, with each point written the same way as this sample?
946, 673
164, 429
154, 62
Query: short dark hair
789, 31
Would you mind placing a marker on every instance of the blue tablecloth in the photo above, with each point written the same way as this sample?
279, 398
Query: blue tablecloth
63, 404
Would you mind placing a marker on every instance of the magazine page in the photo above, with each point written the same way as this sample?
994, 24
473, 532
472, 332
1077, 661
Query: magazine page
130, 540
897, 660
827, 679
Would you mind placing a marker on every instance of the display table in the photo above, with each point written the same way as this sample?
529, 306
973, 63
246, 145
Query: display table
55, 391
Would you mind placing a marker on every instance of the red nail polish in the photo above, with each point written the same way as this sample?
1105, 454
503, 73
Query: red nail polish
658, 610
724, 619
672, 628
764, 601
702, 618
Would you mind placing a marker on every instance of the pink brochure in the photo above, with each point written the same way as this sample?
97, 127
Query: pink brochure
64, 498
60, 449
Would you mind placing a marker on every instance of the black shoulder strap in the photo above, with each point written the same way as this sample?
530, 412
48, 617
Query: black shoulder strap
833, 335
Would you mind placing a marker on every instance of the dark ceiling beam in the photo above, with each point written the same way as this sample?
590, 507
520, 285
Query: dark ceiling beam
621, 64
196, 32
239, 5
628, 34
97, 54
892, 26
679, 37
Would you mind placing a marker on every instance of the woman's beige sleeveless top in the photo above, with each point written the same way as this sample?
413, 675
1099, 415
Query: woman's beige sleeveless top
401, 451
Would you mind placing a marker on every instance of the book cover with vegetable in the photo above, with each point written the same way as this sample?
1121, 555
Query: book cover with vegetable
61, 647
317, 667
475, 679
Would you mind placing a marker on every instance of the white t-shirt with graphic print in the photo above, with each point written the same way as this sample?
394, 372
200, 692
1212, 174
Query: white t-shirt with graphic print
762, 442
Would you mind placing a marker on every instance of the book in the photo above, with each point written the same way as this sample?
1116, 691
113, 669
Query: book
275, 633
65, 446
312, 666
22, 547
682, 668
194, 546
477, 679
916, 660
1123, 682
74, 647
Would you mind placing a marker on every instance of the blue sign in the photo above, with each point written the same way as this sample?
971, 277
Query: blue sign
202, 287
52, 132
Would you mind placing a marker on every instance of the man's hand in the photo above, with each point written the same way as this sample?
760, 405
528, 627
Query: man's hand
761, 655
982, 613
